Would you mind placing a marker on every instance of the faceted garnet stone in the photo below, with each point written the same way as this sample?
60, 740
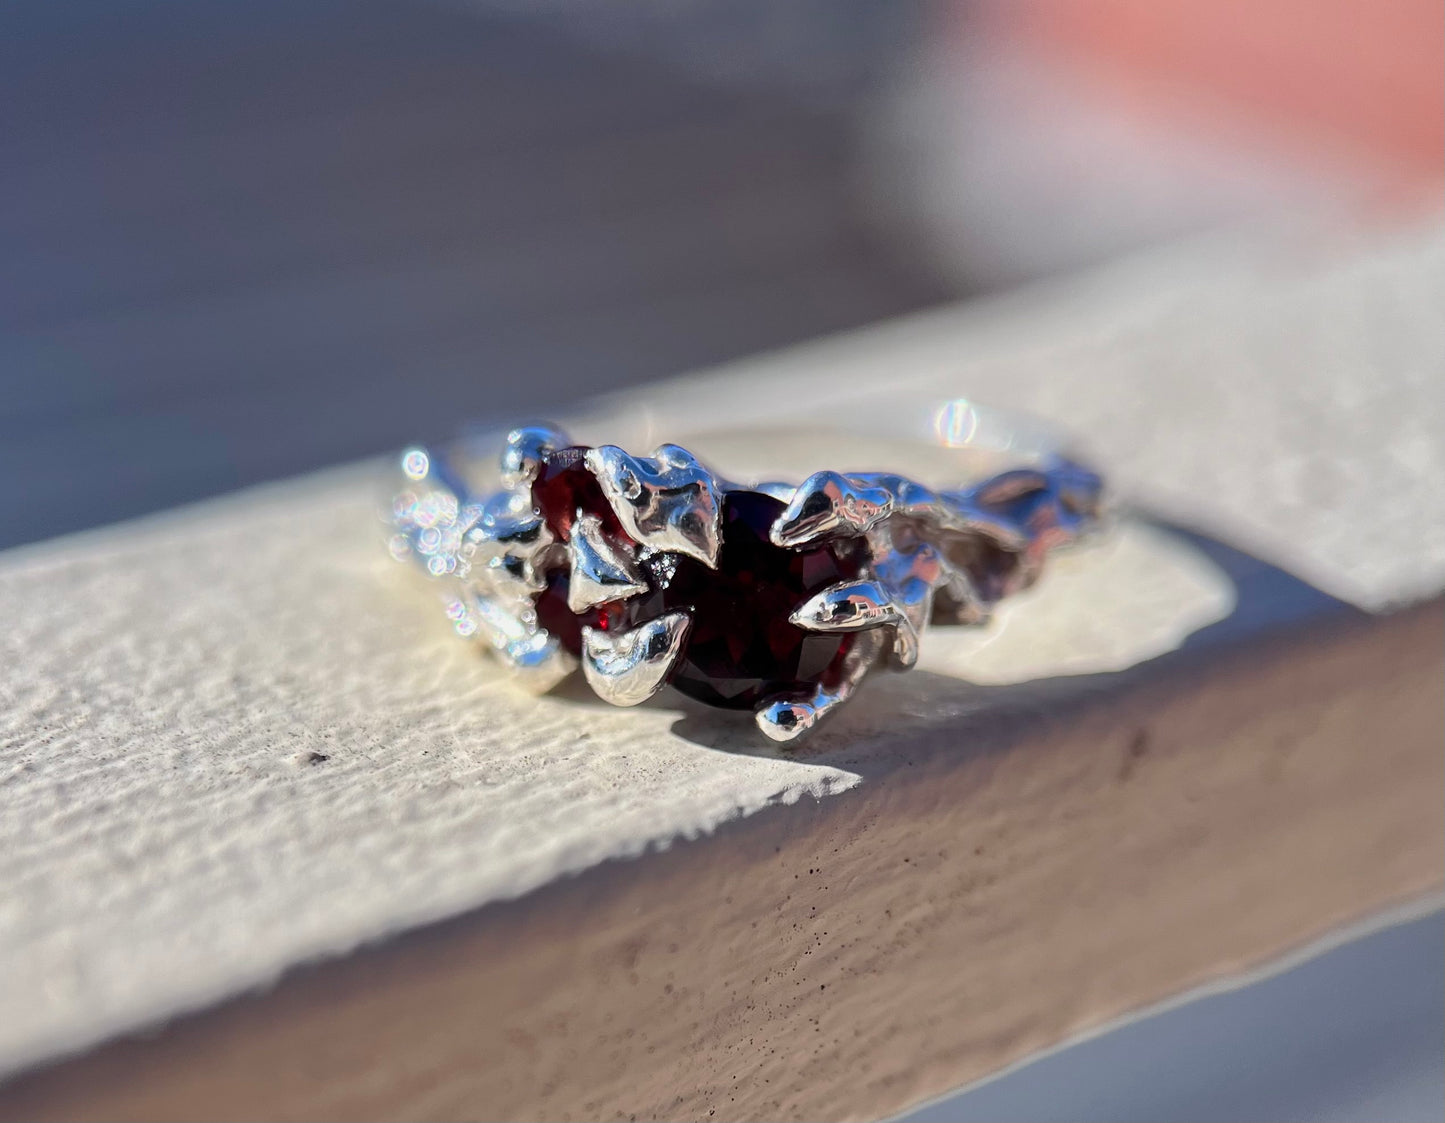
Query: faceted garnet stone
563, 485
741, 647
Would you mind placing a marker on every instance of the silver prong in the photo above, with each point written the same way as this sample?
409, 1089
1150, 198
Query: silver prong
625, 668
849, 606
668, 504
899, 597
523, 453
599, 572
830, 503
786, 717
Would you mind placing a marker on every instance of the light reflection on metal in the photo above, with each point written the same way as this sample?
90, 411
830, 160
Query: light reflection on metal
626, 668
930, 554
599, 572
668, 504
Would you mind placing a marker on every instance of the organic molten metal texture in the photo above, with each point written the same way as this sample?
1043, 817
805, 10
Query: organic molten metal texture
650, 571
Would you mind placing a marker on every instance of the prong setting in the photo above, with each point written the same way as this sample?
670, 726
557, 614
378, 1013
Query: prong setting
784, 718
592, 557
627, 668
911, 529
829, 503
599, 573
667, 504
849, 606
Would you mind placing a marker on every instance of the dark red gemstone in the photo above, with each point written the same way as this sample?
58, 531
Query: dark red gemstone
563, 486
741, 646
559, 620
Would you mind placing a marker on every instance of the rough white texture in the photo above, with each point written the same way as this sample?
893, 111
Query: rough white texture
235, 737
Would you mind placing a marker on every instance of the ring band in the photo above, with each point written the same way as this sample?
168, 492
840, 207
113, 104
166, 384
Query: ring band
653, 571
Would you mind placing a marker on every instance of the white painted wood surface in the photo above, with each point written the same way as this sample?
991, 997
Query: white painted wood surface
235, 739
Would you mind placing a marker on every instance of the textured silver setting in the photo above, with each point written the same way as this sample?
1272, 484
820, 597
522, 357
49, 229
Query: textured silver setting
928, 554
599, 573
669, 503
828, 504
786, 717
486, 556
626, 668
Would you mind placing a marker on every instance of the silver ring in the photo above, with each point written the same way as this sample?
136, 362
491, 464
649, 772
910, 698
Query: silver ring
759, 595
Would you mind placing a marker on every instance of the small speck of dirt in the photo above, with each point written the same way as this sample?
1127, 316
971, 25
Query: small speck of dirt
1134, 752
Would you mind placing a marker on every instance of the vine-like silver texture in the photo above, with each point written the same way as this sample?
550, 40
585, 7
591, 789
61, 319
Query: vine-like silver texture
931, 555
